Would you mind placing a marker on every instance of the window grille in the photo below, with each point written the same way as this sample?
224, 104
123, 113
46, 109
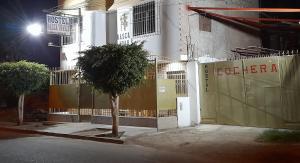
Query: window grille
70, 39
180, 81
204, 24
144, 19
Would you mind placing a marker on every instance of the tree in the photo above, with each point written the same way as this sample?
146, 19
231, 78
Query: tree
113, 69
22, 78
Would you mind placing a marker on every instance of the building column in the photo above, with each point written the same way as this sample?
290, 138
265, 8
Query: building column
194, 91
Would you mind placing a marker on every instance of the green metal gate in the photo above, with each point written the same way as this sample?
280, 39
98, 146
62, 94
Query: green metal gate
259, 92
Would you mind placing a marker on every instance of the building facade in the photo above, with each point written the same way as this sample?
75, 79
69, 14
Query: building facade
169, 31
90, 31
167, 27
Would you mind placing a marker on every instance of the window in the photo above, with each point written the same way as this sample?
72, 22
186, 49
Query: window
144, 19
204, 24
70, 39
67, 40
180, 81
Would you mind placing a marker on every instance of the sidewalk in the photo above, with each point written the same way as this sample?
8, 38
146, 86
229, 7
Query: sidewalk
82, 130
219, 143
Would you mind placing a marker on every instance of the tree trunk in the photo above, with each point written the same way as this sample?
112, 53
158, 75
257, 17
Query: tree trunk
21, 109
114, 104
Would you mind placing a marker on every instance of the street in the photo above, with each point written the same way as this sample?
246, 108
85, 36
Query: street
17, 148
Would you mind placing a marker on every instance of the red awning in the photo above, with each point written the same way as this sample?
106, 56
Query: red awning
258, 23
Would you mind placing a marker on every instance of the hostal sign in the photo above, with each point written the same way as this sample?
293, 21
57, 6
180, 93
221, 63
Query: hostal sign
59, 25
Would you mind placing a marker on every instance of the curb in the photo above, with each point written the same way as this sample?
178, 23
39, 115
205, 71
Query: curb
91, 138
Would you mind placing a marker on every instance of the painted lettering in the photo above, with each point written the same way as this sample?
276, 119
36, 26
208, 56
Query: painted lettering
274, 68
206, 78
263, 68
253, 69
227, 71
235, 70
245, 70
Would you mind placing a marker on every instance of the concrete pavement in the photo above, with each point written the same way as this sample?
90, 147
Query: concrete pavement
18, 148
86, 131
204, 143
220, 143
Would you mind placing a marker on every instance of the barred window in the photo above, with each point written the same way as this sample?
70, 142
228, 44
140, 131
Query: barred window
70, 39
67, 40
144, 19
204, 24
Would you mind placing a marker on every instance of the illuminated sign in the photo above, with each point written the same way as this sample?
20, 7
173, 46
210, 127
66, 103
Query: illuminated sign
60, 25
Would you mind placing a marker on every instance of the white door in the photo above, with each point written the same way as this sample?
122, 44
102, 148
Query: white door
183, 112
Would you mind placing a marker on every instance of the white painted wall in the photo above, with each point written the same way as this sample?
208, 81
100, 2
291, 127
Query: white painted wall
111, 27
194, 92
99, 28
93, 34
223, 38
166, 40
176, 23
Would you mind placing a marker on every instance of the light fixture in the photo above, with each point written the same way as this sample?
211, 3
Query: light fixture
34, 29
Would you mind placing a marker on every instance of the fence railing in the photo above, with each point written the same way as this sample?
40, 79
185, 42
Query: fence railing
157, 70
165, 70
106, 112
176, 71
61, 77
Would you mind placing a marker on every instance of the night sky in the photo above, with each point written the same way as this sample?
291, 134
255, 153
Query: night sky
15, 15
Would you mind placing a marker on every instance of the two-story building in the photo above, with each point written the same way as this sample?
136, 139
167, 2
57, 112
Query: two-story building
169, 31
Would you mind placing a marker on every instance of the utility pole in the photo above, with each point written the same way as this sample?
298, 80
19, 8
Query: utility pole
79, 55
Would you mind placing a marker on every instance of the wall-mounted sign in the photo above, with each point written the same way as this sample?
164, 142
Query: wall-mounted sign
60, 25
124, 26
162, 89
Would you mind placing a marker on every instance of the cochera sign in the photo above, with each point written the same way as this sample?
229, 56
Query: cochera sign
251, 69
59, 25
236, 70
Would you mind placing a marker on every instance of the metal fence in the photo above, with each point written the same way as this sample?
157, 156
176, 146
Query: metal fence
176, 71
105, 112
63, 76
66, 82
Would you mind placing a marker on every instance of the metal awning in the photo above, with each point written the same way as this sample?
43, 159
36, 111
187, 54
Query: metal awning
257, 23
288, 10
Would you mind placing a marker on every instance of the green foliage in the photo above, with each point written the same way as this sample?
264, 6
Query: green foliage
23, 77
114, 68
279, 136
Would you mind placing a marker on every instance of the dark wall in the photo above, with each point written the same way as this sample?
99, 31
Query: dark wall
281, 39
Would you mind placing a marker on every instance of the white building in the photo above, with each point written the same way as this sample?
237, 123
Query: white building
171, 31
93, 28
168, 29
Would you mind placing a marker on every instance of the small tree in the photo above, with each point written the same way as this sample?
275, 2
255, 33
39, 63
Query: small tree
114, 69
22, 78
